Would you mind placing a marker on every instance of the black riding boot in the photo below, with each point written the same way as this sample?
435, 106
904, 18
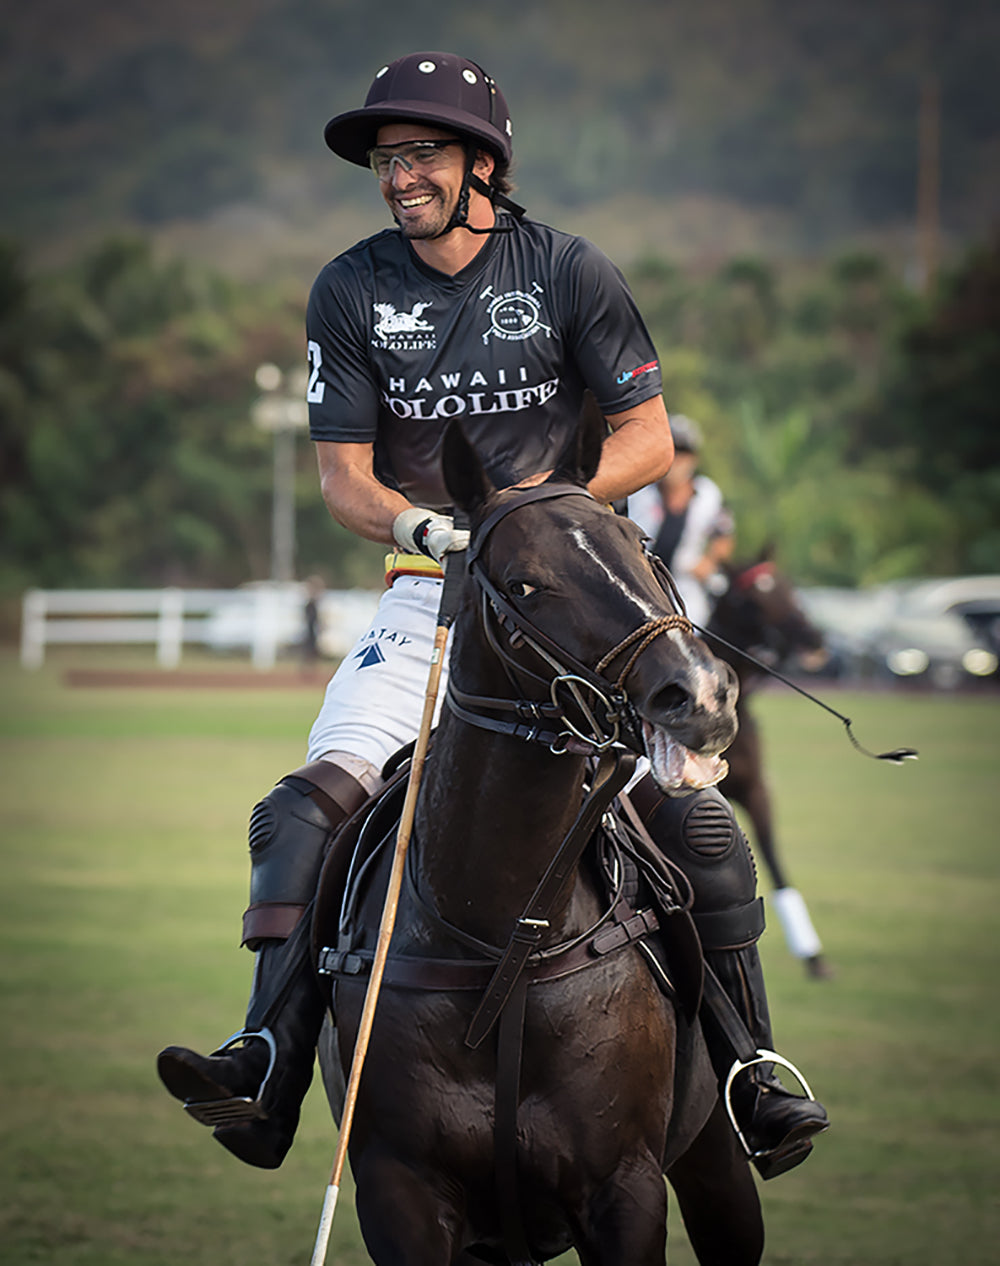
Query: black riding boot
776, 1126
700, 835
251, 1089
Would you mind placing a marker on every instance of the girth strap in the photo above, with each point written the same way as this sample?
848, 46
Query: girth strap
411, 971
613, 772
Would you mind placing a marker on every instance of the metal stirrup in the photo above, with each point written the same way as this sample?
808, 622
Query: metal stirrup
238, 1108
761, 1057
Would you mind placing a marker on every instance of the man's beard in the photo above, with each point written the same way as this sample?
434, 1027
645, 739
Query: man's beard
431, 223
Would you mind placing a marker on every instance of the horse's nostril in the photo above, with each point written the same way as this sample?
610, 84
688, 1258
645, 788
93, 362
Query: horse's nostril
672, 700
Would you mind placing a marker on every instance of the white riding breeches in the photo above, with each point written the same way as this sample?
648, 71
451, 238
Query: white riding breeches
375, 699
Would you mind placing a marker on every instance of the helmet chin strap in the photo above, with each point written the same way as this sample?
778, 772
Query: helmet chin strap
460, 216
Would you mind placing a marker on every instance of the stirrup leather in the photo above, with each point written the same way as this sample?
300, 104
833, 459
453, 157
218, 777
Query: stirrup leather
761, 1057
237, 1109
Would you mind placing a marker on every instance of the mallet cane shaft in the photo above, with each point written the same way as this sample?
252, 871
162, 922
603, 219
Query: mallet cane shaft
454, 574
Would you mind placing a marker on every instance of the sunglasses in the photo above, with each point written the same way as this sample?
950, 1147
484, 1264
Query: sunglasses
419, 156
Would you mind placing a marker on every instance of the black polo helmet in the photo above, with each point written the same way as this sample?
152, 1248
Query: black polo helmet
437, 89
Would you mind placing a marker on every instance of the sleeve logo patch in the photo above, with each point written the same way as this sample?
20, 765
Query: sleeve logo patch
629, 374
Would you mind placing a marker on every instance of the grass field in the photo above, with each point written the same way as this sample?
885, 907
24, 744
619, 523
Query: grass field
124, 877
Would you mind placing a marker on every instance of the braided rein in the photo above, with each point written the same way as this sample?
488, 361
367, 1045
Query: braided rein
645, 636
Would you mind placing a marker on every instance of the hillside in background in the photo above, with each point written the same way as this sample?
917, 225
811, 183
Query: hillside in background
691, 128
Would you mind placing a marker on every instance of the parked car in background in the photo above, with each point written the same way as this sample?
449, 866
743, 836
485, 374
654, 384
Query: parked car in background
943, 632
850, 620
940, 631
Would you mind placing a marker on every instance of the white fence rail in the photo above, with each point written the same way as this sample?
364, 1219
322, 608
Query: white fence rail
261, 620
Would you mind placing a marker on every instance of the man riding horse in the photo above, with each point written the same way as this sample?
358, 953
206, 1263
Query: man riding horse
517, 321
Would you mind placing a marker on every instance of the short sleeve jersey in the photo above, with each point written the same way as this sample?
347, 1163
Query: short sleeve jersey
508, 346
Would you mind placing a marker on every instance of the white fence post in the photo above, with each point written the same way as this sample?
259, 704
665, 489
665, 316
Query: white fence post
265, 630
170, 632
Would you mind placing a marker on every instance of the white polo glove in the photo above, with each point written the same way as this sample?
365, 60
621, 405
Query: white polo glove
425, 532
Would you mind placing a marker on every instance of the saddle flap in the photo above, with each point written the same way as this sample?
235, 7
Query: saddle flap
359, 835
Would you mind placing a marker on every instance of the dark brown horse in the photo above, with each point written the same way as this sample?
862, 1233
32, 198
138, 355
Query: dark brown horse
611, 1085
760, 613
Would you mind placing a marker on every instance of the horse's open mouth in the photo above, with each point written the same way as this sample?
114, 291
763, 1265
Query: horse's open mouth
675, 767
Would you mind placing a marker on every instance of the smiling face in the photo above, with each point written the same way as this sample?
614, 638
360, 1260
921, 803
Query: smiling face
423, 202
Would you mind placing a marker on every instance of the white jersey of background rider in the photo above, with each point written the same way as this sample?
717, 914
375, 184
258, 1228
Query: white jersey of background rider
704, 510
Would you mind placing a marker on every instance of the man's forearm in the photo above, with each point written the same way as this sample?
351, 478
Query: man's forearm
637, 452
364, 506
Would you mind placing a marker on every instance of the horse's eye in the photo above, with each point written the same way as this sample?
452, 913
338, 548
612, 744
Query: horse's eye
520, 589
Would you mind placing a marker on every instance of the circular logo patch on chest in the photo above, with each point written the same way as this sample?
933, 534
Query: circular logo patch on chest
514, 315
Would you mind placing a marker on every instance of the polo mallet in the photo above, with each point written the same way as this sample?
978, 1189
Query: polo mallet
454, 575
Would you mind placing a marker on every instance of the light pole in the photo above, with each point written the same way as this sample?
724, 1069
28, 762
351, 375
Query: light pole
929, 181
282, 410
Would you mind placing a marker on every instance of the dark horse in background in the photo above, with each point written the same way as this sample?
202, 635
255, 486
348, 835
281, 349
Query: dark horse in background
462, 1153
759, 613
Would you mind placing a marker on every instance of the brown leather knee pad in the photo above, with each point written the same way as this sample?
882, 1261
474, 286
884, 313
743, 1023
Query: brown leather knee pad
289, 832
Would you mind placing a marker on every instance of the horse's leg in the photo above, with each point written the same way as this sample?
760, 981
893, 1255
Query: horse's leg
626, 1220
404, 1220
800, 935
748, 787
718, 1197
789, 904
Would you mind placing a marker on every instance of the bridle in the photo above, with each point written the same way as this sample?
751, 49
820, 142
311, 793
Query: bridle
604, 715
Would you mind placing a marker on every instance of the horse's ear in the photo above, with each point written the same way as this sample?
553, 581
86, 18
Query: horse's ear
579, 460
768, 551
464, 476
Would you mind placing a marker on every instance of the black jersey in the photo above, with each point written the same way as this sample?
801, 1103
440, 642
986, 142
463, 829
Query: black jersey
508, 345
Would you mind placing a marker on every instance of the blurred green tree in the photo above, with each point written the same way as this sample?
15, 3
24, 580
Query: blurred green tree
939, 410
128, 453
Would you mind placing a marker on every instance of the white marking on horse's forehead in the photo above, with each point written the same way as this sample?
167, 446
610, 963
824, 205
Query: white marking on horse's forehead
583, 542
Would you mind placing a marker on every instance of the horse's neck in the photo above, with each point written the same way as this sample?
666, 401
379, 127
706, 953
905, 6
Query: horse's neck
725, 625
493, 810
